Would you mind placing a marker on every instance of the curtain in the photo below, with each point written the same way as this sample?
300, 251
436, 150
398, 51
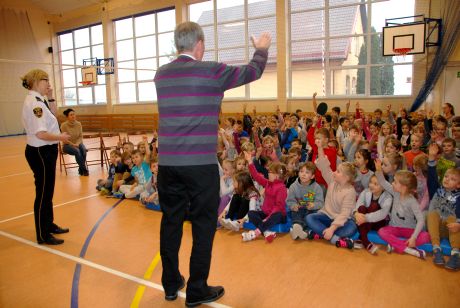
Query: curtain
450, 15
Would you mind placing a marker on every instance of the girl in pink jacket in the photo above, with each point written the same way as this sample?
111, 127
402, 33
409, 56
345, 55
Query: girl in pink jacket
274, 207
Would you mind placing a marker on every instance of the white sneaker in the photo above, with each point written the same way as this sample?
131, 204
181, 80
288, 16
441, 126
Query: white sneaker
248, 236
234, 225
225, 222
297, 232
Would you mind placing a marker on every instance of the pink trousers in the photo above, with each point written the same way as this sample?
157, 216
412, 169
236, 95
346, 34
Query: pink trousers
392, 236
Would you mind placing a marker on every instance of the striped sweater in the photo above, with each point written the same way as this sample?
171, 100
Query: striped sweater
190, 95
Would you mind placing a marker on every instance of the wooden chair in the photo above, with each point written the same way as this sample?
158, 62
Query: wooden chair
62, 161
110, 141
94, 143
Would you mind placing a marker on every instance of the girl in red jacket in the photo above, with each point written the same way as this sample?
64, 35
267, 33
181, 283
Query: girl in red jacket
274, 207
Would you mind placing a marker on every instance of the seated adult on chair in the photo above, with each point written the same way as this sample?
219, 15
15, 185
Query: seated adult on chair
74, 146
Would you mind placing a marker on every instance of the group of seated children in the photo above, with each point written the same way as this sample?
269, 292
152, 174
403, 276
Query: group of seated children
341, 177
132, 174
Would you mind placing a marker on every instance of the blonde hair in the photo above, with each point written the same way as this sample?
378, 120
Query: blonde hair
267, 138
454, 171
349, 169
385, 125
248, 147
32, 77
421, 161
395, 159
407, 179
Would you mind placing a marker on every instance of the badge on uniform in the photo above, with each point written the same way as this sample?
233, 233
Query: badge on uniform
38, 112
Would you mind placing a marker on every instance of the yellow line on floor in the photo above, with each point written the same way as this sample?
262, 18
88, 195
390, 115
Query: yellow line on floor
148, 274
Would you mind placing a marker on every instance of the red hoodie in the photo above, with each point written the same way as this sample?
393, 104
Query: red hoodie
331, 154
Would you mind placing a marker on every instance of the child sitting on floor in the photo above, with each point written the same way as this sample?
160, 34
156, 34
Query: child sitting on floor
105, 185
305, 196
274, 207
142, 174
150, 194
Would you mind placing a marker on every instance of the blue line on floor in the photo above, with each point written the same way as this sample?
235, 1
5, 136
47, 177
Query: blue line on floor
76, 274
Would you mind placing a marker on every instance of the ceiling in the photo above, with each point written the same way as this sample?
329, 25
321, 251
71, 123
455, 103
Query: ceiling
63, 6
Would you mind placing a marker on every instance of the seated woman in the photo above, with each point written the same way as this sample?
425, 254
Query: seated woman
74, 146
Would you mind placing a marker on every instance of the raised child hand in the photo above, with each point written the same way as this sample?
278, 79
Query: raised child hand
432, 151
378, 165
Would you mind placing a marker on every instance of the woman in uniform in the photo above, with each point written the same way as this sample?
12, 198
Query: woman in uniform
41, 152
75, 144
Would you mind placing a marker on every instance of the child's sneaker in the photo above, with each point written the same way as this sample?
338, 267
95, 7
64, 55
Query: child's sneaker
421, 253
104, 191
344, 243
390, 248
312, 235
297, 232
358, 244
372, 248
269, 236
438, 259
234, 225
453, 263
118, 194
248, 236
225, 222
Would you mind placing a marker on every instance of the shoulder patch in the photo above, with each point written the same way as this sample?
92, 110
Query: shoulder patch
38, 112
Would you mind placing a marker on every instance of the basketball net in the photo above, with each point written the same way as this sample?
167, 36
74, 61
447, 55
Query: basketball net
402, 51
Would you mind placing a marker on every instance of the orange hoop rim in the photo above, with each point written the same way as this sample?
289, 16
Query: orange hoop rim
402, 51
86, 83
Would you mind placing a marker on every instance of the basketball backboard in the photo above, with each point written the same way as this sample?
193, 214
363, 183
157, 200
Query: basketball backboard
405, 36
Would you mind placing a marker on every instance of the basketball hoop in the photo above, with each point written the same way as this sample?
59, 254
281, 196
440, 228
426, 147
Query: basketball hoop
86, 83
402, 51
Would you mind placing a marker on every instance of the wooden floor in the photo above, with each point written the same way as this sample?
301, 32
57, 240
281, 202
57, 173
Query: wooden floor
111, 257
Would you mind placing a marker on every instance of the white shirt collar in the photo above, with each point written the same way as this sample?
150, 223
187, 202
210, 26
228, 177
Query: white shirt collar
36, 94
187, 55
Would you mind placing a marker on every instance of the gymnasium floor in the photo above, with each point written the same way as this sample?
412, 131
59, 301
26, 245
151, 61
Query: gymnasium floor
110, 258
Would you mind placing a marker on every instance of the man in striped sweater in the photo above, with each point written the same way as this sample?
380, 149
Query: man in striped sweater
190, 93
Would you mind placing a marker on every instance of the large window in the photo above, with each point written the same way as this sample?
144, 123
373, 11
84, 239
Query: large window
143, 43
75, 46
228, 26
335, 49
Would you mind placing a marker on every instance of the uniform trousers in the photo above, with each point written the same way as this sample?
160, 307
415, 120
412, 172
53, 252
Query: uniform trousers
42, 161
193, 190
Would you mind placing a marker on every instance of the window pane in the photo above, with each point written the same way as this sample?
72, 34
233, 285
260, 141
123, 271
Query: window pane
166, 20
147, 92
402, 79
145, 25
232, 56
125, 50
345, 51
96, 35
265, 87
239, 92
146, 47
209, 56
390, 9
150, 65
82, 54
69, 78
343, 82
383, 80
297, 5
261, 8
165, 60
67, 57
124, 28
230, 10
70, 97
201, 13
258, 26
66, 41
340, 2
231, 35
345, 21
166, 44
307, 25
85, 95
307, 52
305, 83
81, 37
127, 92
209, 41
98, 51
126, 74
101, 97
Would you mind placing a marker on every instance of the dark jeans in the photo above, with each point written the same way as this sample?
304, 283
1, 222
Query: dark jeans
42, 161
79, 153
193, 190
238, 208
300, 217
368, 226
318, 222
258, 219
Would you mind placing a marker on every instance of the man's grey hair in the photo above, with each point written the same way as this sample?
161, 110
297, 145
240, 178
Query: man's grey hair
186, 35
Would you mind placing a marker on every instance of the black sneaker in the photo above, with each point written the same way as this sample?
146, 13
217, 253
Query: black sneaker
312, 235
214, 294
51, 240
438, 259
345, 243
173, 296
453, 263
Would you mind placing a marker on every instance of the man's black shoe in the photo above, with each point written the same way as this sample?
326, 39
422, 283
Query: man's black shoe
59, 230
51, 240
214, 294
173, 296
